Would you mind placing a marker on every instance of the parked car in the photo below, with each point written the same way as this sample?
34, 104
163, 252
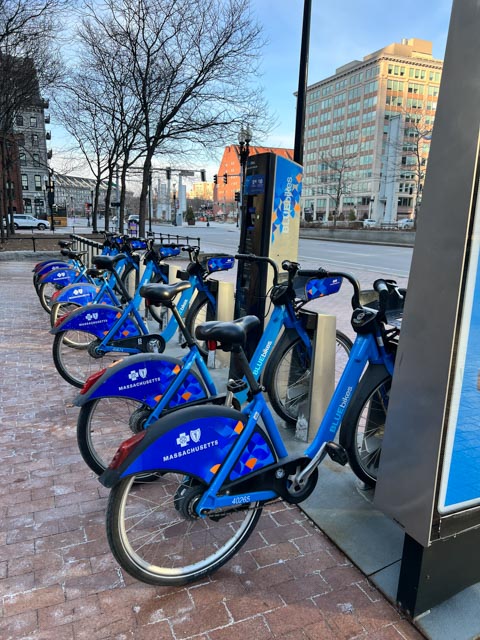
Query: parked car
368, 223
134, 218
406, 223
26, 221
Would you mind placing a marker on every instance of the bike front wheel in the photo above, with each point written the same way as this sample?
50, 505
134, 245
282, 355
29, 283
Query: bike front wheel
363, 426
287, 374
157, 537
75, 363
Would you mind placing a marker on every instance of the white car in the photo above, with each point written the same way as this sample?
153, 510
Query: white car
23, 220
368, 223
406, 223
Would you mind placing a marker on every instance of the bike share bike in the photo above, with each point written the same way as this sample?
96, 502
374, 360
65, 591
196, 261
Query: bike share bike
133, 393
104, 333
218, 466
106, 290
55, 280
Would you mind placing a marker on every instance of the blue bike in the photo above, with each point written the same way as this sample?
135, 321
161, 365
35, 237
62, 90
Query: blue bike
133, 393
217, 466
106, 333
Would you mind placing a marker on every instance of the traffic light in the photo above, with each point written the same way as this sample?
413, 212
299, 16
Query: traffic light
202, 175
215, 179
237, 196
169, 173
225, 178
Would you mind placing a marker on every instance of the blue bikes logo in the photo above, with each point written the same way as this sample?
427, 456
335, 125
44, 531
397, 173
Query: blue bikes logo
77, 292
91, 316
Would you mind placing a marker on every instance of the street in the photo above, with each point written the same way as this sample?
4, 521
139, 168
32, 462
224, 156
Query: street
385, 260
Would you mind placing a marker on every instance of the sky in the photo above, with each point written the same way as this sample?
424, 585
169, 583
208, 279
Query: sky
341, 31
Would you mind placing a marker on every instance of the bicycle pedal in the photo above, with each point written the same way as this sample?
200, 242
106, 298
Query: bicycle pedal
337, 453
235, 386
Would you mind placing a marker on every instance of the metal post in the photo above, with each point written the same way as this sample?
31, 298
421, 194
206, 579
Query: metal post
302, 83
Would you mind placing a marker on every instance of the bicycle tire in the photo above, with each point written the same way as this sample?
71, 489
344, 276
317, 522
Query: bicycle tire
287, 373
201, 310
45, 292
176, 546
363, 426
75, 364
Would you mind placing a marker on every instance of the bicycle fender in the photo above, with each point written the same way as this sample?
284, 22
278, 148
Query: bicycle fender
42, 268
81, 293
194, 441
146, 378
61, 277
98, 320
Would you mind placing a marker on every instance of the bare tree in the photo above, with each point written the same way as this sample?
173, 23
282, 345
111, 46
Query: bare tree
190, 68
415, 149
336, 172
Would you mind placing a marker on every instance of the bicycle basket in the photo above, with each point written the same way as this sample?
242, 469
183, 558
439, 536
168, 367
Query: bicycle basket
393, 312
221, 262
168, 252
309, 286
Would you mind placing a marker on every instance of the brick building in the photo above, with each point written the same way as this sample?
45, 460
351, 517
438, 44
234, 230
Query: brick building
224, 192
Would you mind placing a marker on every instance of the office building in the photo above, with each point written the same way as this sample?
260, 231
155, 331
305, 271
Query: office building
367, 135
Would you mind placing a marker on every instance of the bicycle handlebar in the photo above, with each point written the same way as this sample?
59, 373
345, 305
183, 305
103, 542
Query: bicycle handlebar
251, 257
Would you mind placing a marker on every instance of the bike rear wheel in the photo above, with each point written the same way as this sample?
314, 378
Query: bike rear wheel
156, 536
200, 311
363, 426
45, 293
103, 424
287, 374
75, 364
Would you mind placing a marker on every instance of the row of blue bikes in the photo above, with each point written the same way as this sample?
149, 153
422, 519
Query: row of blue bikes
190, 468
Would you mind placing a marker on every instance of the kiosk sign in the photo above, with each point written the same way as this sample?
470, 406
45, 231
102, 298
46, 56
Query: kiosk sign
460, 477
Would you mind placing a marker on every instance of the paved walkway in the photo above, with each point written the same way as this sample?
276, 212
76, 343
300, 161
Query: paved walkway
58, 579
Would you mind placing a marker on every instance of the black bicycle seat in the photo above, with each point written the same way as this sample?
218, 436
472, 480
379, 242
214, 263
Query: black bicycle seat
162, 293
74, 255
108, 262
227, 333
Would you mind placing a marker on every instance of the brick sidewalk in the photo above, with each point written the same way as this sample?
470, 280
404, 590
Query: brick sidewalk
58, 579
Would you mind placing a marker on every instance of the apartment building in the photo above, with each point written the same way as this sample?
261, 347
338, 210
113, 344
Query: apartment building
367, 135
31, 135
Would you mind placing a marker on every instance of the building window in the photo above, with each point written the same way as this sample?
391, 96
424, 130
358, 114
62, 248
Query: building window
33, 121
396, 70
27, 205
23, 158
24, 182
417, 73
39, 206
19, 121
404, 202
36, 160
34, 140
38, 183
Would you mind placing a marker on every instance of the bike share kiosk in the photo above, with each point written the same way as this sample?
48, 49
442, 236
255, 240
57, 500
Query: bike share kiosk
429, 474
270, 227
